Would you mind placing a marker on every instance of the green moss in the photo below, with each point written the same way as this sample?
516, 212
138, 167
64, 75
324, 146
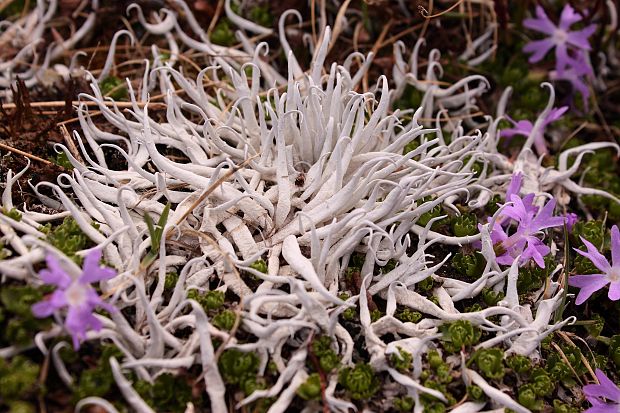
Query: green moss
225, 320
18, 378
490, 362
592, 231
426, 217
61, 159
261, 15
426, 284
350, 314
401, 361
360, 381
171, 281
614, 349
311, 388
541, 382
259, 265
21, 407
222, 33
464, 225
322, 349
584, 266
532, 277
13, 213
458, 334
389, 266
528, 397
559, 407
492, 206
20, 324
491, 297
68, 238
168, 393
210, 301
403, 404
408, 316
97, 381
519, 364
410, 99
475, 393
236, 366
114, 87
469, 265
597, 326
375, 315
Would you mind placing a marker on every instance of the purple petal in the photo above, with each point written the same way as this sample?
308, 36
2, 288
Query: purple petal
555, 114
545, 218
536, 250
597, 282
614, 291
78, 319
517, 210
579, 38
92, 272
596, 257
505, 259
615, 246
580, 64
43, 309
47, 307
580, 281
541, 23
539, 49
498, 234
602, 408
606, 388
562, 59
510, 133
54, 274
528, 203
515, 185
95, 301
568, 17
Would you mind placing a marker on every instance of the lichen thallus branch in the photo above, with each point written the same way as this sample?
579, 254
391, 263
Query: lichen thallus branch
239, 198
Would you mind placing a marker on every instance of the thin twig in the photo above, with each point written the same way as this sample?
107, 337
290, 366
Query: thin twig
26, 154
62, 103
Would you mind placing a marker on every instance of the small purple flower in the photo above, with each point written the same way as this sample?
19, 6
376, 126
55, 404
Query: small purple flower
604, 397
571, 219
560, 37
524, 241
525, 127
576, 75
76, 294
610, 273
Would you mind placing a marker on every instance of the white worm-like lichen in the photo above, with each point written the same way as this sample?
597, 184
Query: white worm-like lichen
324, 179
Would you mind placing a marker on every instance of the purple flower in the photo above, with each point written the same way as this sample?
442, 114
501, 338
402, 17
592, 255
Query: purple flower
76, 294
576, 75
525, 127
524, 241
571, 219
604, 397
560, 37
610, 273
